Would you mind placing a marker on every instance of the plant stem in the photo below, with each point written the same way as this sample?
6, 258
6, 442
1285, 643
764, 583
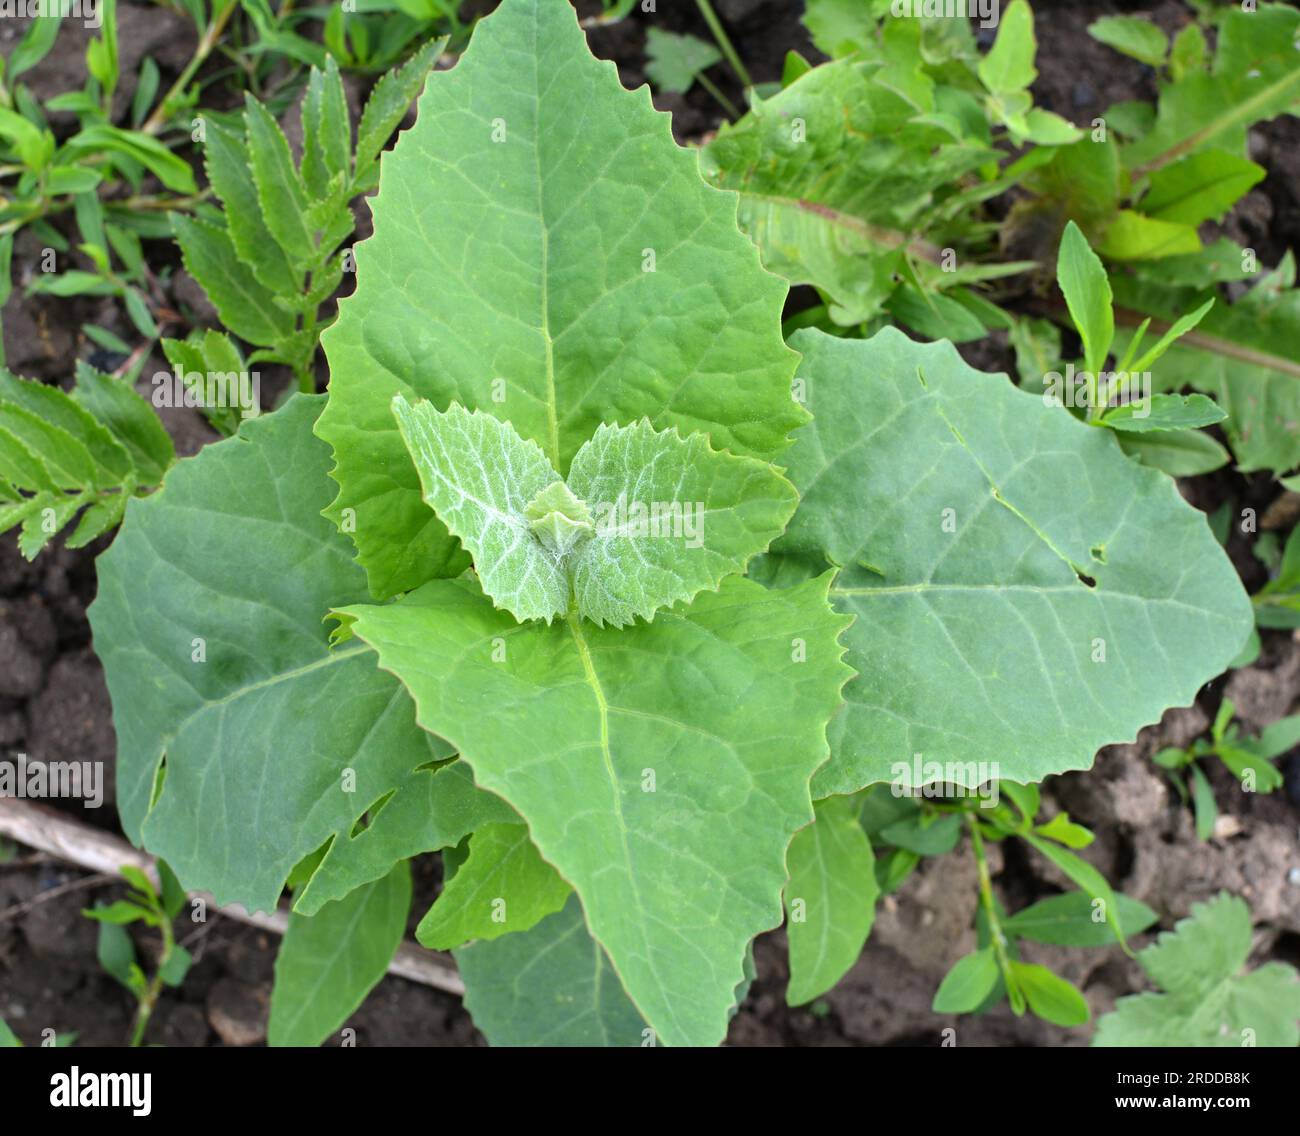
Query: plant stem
149, 1000
1240, 113
726, 104
158, 119
996, 934
724, 43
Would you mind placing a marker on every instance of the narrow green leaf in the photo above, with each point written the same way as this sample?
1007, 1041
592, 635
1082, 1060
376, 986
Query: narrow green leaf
280, 191
328, 963
830, 899
1071, 920
1009, 64
1087, 293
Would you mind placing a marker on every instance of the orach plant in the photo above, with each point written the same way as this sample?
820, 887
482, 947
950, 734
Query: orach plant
489, 594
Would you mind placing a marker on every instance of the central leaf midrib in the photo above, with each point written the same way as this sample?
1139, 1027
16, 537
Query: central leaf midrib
552, 410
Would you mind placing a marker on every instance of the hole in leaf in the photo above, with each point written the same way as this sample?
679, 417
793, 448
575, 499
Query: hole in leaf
1085, 579
1098, 553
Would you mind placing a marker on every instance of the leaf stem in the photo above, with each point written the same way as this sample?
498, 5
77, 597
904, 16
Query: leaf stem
724, 43
158, 119
1234, 116
722, 100
996, 934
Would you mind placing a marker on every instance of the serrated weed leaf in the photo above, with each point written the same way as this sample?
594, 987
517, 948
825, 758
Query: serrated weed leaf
1007, 564
646, 519
542, 238
632, 754
209, 624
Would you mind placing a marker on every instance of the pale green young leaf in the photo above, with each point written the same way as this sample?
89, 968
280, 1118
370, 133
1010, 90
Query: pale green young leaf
1134, 236
1133, 36
479, 475
937, 489
1086, 289
830, 898
329, 962
631, 295
613, 719
503, 887
1207, 1001
209, 623
326, 131
671, 518
555, 976
1050, 997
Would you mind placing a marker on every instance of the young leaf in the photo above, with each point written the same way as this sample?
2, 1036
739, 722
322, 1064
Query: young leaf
1050, 997
833, 879
1133, 36
1179, 453
937, 488
1201, 187
1088, 878
671, 518
1070, 920
1009, 65
633, 296
280, 191
226, 160
1134, 236
1087, 293
504, 886
1207, 1000
214, 671
555, 974
613, 718
478, 475
388, 103
328, 963
246, 306
326, 130
1163, 412
967, 984
673, 61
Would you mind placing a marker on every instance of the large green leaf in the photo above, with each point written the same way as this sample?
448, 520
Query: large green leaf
545, 253
1207, 1000
662, 768
995, 551
329, 962
273, 742
833, 882
554, 976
